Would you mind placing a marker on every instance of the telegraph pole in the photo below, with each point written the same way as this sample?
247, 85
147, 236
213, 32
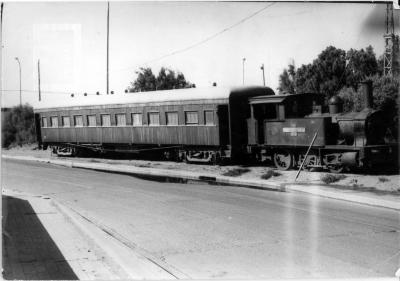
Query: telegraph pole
38, 66
108, 39
262, 68
244, 59
1, 47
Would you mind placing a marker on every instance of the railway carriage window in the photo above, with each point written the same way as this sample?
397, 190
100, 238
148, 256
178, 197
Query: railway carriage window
265, 111
66, 121
137, 119
91, 120
292, 110
105, 120
208, 117
172, 118
120, 119
154, 118
78, 121
44, 122
54, 121
191, 117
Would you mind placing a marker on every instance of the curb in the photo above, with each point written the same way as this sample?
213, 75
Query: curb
132, 170
345, 196
155, 172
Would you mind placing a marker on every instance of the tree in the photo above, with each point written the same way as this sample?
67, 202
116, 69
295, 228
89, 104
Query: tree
361, 64
330, 67
287, 80
324, 75
353, 100
145, 81
306, 79
386, 93
167, 79
18, 126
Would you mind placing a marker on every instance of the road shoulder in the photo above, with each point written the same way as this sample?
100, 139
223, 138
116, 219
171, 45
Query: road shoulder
356, 196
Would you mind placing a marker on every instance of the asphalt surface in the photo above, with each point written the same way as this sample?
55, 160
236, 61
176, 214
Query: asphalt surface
205, 231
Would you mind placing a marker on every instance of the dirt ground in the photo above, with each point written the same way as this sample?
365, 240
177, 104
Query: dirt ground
381, 183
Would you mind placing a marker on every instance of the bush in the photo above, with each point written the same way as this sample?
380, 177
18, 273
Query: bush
383, 179
18, 126
331, 178
270, 173
354, 183
236, 172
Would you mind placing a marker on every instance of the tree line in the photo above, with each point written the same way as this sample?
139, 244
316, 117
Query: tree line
337, 72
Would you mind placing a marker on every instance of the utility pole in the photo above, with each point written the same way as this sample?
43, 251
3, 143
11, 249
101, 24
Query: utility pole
38, 67
243, 60
20, 91
1, 48
262, 68
108, 39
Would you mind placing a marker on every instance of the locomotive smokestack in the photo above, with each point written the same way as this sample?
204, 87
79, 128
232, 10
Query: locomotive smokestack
366, 89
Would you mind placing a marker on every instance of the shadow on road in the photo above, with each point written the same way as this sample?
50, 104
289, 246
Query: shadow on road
28, 250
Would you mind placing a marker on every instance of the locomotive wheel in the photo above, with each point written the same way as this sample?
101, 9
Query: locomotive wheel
310, 160
334, 164
336, 169
283, 160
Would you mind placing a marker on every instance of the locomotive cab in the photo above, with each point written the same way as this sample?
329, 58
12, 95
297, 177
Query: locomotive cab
282, 126
275, 118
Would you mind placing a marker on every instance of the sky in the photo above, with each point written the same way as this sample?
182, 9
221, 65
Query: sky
206, 41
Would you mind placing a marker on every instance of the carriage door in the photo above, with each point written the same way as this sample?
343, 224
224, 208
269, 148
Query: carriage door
38, 129
223, 123
255, 124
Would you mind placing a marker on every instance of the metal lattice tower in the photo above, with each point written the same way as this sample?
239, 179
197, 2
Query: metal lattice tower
390, 41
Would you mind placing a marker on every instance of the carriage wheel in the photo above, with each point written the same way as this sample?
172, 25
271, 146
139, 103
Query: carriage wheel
216, 158
283, 160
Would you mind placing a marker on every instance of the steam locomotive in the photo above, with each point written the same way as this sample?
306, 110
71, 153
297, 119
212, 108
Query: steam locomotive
218, 124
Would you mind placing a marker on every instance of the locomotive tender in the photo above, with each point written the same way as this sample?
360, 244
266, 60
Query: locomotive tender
209, 125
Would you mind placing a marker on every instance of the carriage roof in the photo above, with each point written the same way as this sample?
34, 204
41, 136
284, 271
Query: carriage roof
213, 94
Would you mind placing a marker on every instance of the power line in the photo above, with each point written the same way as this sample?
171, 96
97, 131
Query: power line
8, 91
206, 39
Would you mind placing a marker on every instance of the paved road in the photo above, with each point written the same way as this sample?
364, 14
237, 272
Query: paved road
204, 231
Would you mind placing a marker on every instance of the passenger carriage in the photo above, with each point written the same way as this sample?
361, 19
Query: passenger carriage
203, 125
